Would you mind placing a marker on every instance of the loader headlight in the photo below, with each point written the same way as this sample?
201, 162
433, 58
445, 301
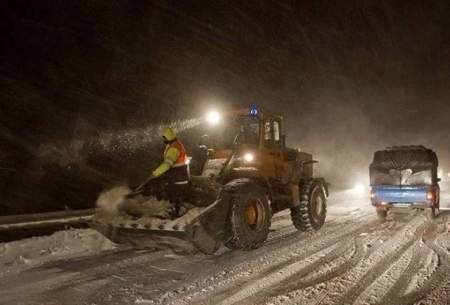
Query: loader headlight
249, 157
213, 117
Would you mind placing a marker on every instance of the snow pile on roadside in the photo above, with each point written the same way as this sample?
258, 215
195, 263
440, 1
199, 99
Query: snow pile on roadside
31, 252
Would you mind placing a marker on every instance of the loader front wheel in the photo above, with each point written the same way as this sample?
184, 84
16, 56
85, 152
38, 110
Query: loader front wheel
249, 218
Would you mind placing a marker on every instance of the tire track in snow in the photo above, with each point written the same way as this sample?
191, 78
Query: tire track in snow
399, 288
296, 281
339, 236
386, 279
281, 236
360, 251
346, 288
439, 276
296, 268
56, 276
380, 266
300, 280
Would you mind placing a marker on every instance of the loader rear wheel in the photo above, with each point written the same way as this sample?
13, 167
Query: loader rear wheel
249, 218
310, 214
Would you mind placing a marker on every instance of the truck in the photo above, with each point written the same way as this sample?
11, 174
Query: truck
243, 182
405, 177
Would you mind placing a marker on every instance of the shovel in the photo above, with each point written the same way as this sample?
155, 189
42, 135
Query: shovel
138, 190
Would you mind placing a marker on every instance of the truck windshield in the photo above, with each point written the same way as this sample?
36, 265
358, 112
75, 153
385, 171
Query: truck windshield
401, 177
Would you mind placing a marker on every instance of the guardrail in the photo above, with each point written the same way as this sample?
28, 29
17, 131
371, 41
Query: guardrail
41, 220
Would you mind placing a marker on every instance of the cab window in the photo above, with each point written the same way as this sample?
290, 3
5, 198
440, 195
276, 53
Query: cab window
276, 131
267, 132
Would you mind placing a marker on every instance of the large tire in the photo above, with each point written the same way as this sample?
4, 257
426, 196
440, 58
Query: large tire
430, 214
382, 214
249, 218
310, 214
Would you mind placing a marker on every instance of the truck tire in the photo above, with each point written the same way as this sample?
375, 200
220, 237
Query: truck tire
310, 214
430, 214
249, 218
382, 214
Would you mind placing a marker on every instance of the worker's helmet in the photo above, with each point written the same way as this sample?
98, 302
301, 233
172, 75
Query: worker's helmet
168, 134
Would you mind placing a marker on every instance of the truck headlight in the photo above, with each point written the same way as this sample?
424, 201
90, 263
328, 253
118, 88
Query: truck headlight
359, 188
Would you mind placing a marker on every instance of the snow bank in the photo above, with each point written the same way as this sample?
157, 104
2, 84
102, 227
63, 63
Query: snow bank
31, 252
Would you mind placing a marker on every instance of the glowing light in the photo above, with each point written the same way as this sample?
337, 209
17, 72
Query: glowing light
249, 157
213, 117
359, 188
254, 111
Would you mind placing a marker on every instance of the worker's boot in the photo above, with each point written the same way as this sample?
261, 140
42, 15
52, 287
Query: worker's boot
174, 212
295, 192
177, 209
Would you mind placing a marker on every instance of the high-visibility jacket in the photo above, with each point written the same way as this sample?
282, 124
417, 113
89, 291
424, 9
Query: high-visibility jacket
174, 156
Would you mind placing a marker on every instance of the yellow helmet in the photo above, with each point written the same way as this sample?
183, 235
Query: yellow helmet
169, 134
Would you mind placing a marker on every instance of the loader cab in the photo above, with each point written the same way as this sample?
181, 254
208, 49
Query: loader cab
260, 131
259, 145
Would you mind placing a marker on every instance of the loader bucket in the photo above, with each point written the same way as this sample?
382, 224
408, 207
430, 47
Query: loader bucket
183, 234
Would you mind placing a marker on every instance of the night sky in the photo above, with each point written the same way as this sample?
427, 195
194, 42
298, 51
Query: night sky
350, 77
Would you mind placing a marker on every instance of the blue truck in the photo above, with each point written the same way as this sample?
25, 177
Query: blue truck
404, 177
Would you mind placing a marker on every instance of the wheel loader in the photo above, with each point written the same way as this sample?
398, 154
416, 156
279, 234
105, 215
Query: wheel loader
231, 200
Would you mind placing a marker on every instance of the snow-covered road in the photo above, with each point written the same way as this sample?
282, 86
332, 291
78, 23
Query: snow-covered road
353, 259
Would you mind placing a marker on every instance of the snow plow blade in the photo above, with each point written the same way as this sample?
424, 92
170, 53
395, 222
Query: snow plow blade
183, 234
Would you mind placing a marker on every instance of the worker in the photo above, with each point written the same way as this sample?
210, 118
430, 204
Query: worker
174, 168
